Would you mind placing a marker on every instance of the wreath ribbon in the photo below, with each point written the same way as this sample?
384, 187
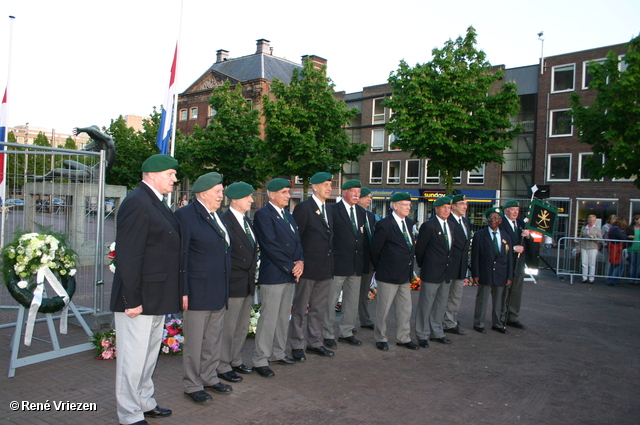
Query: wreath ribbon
43, 273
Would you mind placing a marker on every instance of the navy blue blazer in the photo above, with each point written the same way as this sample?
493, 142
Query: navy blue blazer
244, 258
348, 246
530, 247
317, 240
148, 246
368, 239
492, 268
279, 246
432, 253
207, 261
391, 257
460, 248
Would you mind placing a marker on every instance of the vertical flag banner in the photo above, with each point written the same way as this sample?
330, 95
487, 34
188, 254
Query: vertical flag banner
3, 138
542, 217
168, 110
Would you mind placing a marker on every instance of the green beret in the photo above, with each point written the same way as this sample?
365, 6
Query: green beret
457, 198
493, 210
320, 178
509, 204
351, 183
278, 184
159, 162
206, 182
365, 191
445, 200
239, 190
399, 196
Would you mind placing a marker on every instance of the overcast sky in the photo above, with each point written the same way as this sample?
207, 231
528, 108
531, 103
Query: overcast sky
84, 62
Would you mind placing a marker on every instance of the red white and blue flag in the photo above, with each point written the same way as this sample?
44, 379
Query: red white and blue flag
168, 111
3, 138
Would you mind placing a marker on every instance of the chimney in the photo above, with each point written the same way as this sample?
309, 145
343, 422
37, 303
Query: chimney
222, 55
263, 46
317, 60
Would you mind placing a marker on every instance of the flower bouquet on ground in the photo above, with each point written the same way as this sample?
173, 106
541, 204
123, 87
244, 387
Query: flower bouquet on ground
104, 344
253, 321
373, 289
416, 283
112, 257
172, 338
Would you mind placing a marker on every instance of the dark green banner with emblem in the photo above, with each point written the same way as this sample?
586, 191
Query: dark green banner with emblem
542, 217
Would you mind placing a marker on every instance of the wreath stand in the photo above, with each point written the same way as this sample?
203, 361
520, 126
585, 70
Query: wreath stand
17, 362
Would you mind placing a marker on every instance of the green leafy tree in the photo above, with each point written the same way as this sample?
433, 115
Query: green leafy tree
15, 167
228, 143
40, 164
132, 148
450, 111
611, 124
304, 126
69, 143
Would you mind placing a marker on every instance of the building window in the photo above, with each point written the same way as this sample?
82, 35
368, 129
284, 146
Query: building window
412, 171
375, 176
458, 178
377, 141
622, 66
562, 78
380, 113
584, 171
393, 172
194, 113
393, 138
560, 123
183, 114
476, 176
586, 77
212, 112
431, 175
298, 180
559, 167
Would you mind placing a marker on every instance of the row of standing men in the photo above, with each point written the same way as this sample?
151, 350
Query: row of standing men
203, 263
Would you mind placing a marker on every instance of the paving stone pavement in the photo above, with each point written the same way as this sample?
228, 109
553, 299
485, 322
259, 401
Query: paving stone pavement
577, 363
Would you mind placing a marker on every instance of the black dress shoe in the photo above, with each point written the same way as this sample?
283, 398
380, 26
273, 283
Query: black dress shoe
455, 330
158, 412
199, 397
264, 371
410, 345
351, 340
382, 346
242, 369
442, 340
479, 329
321, 351
142, 422
423, 343
501, 330
286, 361
230, 376
331, 343
220, 388
584, 281
367, 326
298, 354
516, 324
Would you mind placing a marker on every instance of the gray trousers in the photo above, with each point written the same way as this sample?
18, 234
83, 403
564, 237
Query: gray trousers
202, 346
310, 300
400, 297
139, 341
350, 287
363, 300
271, 333
432, 304
515, 301
234, 333
482, 299
453, 304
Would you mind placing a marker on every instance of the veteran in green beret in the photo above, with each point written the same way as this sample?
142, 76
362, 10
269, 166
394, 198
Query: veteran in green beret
316, 233
367, 271
207, 245
242, 284
281, 266
392, 255
148, 240
348, 264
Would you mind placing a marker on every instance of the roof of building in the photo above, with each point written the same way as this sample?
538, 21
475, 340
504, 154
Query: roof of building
258, 65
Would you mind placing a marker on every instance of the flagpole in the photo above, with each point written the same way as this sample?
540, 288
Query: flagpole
5, 124
174, 115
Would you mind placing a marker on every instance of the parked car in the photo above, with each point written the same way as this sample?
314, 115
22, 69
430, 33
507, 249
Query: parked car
13, 202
